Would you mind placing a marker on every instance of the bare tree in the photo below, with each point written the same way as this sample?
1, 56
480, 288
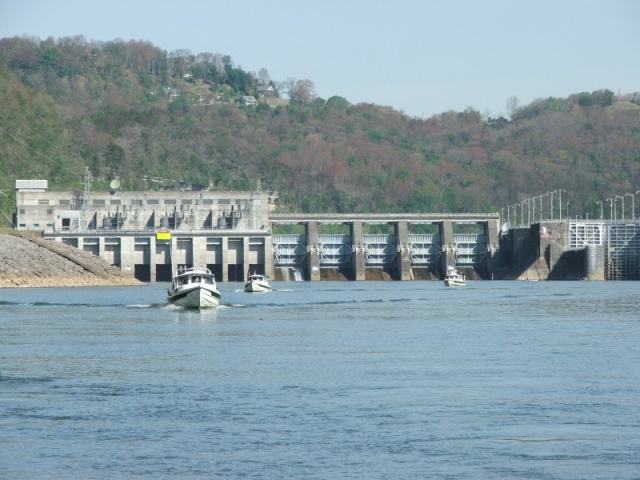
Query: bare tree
263, 76
180, 61
304, 91
512, 105
287, 86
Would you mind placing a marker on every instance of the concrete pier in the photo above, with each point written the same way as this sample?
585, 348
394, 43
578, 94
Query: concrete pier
448, 245
404, 250
358, 249
314, 251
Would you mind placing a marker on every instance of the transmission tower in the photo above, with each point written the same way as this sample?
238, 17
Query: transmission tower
254, 209
86, 199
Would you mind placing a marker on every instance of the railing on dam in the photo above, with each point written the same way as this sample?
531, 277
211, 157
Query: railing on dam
376, 218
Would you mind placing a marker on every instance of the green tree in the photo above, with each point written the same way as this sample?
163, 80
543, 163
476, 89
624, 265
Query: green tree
585, 99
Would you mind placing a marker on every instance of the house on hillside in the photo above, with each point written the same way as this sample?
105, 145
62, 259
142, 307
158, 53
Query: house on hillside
248, 100
266, 91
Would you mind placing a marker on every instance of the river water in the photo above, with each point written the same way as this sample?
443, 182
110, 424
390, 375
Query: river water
323, 380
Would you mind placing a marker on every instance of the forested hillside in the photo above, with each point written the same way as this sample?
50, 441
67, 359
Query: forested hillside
158, 120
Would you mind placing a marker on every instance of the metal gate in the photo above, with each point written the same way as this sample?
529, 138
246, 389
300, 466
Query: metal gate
426, 250
471, 249
622, 260
289, 250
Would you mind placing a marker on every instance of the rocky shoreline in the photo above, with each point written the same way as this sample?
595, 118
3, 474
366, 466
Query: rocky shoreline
29, 261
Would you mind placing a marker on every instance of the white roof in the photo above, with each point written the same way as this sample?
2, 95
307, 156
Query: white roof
34, 185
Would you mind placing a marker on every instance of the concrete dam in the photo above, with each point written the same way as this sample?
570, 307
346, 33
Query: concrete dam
147, 234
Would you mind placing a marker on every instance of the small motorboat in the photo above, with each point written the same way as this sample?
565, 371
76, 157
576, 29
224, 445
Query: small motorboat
257, 283
454, 278
194, 288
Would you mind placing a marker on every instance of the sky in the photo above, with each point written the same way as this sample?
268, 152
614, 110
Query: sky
422, 57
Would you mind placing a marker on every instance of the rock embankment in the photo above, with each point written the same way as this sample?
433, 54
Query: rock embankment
30, 261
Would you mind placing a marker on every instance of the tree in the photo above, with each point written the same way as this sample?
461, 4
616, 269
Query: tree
585, 99
512, 105
286, 87
263, 76
303, 92
604, 98
180, 61
338, 103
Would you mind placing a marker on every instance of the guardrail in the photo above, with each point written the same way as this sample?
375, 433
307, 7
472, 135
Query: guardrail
284, 218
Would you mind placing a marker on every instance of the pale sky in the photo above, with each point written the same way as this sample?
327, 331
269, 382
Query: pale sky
422, 57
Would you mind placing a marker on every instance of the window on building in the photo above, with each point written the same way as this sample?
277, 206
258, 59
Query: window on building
49, 211
98, 202
43, 202
187, 202
153, 201
116, 202
65, 202
170, 202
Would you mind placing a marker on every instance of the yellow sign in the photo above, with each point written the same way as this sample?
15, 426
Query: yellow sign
163, 236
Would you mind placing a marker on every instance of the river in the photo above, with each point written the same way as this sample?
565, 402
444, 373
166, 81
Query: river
323, 380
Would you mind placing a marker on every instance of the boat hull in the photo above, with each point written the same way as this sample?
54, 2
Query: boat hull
195, 297
256, 287
455, 283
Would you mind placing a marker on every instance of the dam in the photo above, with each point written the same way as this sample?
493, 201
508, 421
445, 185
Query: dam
149, 234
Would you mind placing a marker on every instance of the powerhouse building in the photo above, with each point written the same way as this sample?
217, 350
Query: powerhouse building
226, 230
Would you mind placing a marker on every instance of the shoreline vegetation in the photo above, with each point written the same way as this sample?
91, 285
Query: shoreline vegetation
29, 261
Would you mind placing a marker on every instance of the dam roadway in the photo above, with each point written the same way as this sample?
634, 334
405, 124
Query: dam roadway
381, 218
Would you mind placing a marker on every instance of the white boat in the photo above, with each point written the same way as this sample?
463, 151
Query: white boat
257, 283
454, 278
194, 288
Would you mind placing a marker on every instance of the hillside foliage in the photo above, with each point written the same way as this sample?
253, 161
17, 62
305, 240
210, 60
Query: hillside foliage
159, 120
